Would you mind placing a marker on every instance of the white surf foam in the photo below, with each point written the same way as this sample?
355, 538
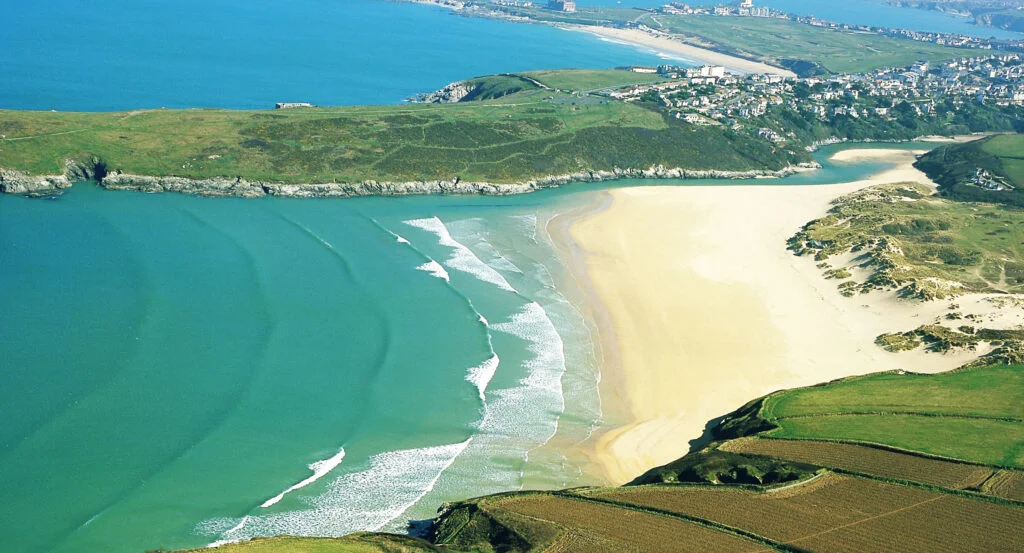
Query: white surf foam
436, 269
319, 468
481, 375
361, 501
400, 240
462, 258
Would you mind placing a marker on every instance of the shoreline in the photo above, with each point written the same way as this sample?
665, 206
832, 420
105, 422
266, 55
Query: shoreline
672, 47
24, 184
734, 317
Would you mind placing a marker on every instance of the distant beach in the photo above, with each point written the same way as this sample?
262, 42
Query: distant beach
673, 47
700, 307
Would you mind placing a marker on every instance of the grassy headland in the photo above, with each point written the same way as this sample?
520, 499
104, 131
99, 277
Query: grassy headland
956, 169
522, 135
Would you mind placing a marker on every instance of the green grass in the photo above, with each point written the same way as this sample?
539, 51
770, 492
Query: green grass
928, 246
989, 442
952, 166
515, 138
591, 79
990, 392
971, 415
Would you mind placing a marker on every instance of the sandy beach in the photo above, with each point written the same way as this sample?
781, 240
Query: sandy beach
674, 47
700, 308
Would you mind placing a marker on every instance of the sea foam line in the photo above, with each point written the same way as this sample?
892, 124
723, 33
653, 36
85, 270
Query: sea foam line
462, 258
366, 500
481, 375
319, 468
436, 269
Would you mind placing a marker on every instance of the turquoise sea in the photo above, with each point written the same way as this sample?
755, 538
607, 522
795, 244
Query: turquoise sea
178, 371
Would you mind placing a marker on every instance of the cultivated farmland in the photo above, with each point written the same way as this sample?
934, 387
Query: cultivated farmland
867, 460
838, 514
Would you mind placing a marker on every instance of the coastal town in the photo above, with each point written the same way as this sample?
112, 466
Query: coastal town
710, 95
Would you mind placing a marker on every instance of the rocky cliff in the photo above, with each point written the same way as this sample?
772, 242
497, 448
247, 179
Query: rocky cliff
21, 183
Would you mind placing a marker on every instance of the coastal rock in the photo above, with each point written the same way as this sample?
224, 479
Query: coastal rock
17, 182
20, 183
451, 94
215, 186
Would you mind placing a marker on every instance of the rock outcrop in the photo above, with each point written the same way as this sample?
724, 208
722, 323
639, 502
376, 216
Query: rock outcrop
451, 94
17, 182
21, 183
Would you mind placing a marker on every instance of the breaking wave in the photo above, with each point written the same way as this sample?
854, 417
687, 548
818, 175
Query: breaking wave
360, 501
462, 258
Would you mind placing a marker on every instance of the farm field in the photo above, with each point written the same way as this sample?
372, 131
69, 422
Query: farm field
991, 442
574, 525
867, 460
838, 513
996, 392
1006, 484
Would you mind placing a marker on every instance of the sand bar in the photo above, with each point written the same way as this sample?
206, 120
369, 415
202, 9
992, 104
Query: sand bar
705, 309
674, 47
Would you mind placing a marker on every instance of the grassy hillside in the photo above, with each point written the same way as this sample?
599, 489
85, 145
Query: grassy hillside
973, 415
517, 137
902, 236
953, 167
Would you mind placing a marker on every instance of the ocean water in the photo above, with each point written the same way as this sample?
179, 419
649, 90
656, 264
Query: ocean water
122, 55
180, 371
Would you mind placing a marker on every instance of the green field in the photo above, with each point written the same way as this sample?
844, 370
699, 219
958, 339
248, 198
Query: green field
952, 166
783, 42
515, 138
907, 238
805, 49
974, 415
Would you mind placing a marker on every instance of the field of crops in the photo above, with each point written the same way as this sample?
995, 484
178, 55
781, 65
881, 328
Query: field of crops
839, 514
1006, 484
593, 527
867, 460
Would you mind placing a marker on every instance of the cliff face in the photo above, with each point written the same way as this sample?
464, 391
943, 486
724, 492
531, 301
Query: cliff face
20, 183
16, 182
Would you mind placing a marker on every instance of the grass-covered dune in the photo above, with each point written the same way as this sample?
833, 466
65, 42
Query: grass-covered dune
955, 166
878, 463
521, 136
903, 236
